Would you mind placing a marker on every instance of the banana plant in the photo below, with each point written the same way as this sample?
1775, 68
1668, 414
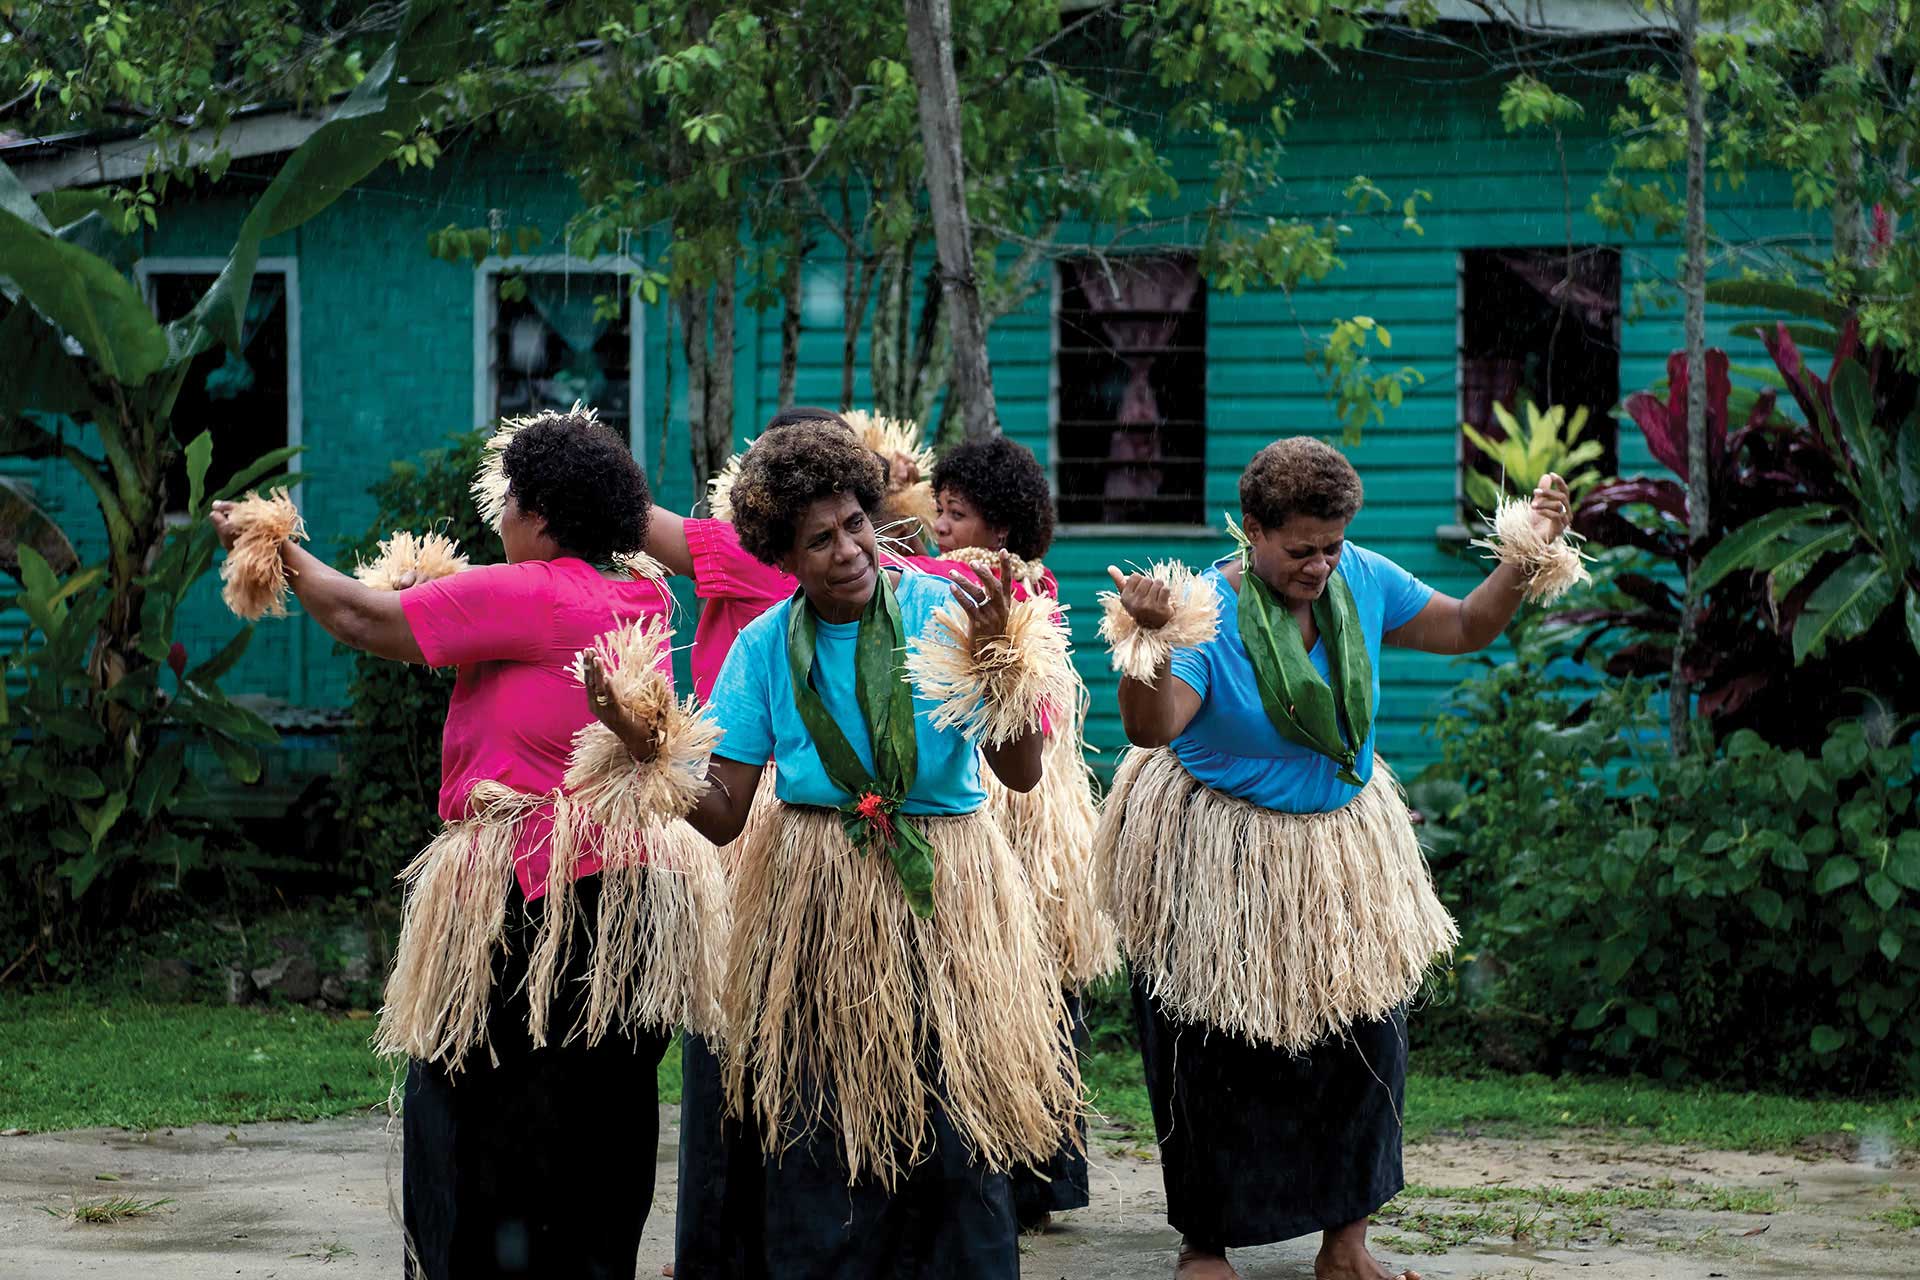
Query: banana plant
1550, 442
96, 746
1857, 557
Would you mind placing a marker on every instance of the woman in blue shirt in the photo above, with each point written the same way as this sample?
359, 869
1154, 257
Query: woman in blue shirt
894, 1020
1261, 864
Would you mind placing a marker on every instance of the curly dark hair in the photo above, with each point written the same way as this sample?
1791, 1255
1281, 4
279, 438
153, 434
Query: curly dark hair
794, 415
582, 478
787, 471
1005, 483
1299, 476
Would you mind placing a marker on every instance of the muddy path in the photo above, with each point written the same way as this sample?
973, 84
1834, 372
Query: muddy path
289, 1200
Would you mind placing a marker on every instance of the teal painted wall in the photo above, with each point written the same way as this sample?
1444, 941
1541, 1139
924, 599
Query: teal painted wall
387, 344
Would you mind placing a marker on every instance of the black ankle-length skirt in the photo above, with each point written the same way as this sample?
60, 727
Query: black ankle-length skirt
1061, 1183
1259, 1145
746, 1216
540, 1165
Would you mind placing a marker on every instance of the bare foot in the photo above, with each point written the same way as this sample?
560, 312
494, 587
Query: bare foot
1196, 1265
666, 1269
1344, 1256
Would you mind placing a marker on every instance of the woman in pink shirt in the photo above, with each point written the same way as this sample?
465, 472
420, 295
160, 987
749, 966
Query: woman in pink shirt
523, 1091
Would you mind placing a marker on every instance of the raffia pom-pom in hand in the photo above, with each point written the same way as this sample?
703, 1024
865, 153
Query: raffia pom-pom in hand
997, 695
254, 576
1138, 652
426, 556
602, 775
1552, 568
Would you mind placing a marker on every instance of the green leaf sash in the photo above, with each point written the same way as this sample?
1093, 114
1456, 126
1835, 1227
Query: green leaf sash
872, 819
1304, 709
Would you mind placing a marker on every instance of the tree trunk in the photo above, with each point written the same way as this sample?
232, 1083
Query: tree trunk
693, 338
1847, 219
790, 322
1694, 285
853, 303
930, 42
720, 374
889, 323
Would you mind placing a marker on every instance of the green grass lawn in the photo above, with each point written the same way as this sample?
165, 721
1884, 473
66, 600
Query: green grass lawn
76, 1060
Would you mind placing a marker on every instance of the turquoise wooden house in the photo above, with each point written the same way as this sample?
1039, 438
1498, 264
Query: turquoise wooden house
1145, 404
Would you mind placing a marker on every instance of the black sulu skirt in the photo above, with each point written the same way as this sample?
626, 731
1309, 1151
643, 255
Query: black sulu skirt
540, 1165
1062, 1182
745, 1216
1258, 1145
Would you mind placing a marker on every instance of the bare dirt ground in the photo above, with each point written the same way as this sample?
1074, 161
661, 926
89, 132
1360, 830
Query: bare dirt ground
315, 1200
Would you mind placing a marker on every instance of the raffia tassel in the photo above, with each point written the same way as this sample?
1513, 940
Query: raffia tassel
639, 566
254, 576
1281, 928
720, 487
426, 556
1552, 568
456, 911
889, 436
1138, 653
601, 775
997, 695
986, 562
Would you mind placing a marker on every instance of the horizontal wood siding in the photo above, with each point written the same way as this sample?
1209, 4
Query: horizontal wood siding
387, 343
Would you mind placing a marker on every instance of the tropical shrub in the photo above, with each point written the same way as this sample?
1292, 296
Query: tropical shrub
1793, 606
1750, 914
1549, 442
95, 780
389, 783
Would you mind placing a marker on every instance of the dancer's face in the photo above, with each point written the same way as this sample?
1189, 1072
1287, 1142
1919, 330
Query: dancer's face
1297, 558
523, 535
958, 523
835, 558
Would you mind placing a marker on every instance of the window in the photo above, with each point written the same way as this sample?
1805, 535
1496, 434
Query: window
1540, 325
1130, 346
249, 399
551, 332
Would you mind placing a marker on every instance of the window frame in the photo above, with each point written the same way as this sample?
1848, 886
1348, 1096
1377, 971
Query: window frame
1462, 528
1082, 529
486, 298
289, 267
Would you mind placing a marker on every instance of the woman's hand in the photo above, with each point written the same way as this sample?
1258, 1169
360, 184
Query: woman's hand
987, 613
1148, 600
902, 472
221, 518
1552, 507
642, 741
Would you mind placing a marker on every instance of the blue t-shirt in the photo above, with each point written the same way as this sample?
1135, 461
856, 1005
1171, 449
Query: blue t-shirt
753, 701
1231, 745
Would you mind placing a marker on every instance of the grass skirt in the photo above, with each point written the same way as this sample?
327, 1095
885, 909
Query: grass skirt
652, 959
1281, 929
850, 1019
1051, 830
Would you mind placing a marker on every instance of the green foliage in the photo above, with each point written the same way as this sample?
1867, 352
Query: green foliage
1358, 391
1750, 914
389, 785
99, 789
1550, 443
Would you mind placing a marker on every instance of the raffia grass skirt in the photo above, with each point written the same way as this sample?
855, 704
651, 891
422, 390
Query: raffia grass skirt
1051, 830
1281, 929
848, 1015
657, 941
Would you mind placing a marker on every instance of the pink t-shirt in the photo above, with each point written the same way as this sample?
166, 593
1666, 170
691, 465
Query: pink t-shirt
513, 631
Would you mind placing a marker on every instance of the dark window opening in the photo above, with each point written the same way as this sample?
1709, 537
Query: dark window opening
1132, 353
239, 396
561, 337
1540, 325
